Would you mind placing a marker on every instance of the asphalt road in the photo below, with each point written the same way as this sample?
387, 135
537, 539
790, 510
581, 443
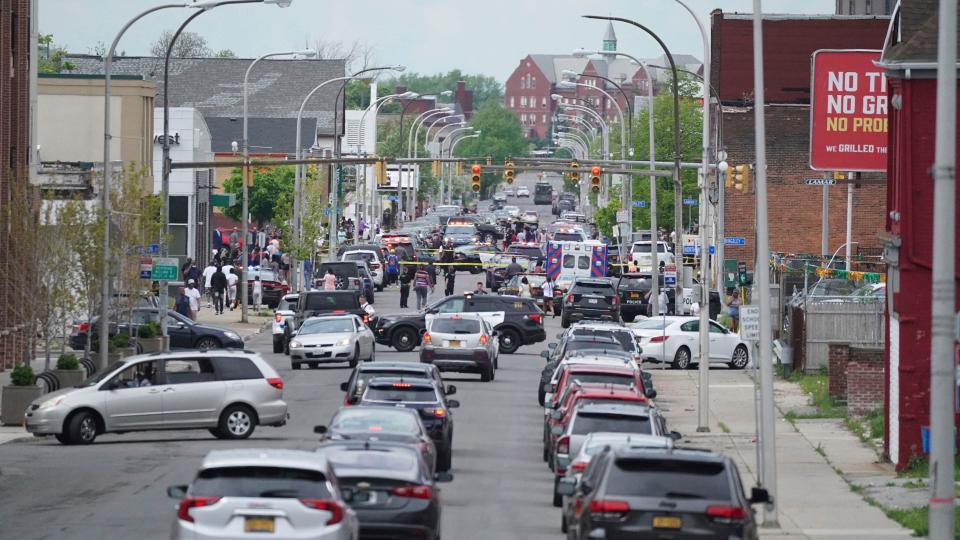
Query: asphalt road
116, 488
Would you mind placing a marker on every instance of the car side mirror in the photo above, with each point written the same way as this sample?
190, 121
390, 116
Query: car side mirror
647, 377
344, 386
567, 486
443, 477
759, 495
545, 354
549, 388
451, 390
320, 430
675, 435
556, 430
179, 492
551, 346
559, 336
347, 495
650, 393
556, 415
453, 404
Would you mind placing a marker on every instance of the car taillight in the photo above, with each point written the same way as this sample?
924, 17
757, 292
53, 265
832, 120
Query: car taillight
183, 509
535, 317
578, 466
726, 514
277, 317
339, 311
336, 511
608, 509
483, 339
366, 319
275, 382
416, 492
615, 300
439, 412
426, 338
570, 298
563, 445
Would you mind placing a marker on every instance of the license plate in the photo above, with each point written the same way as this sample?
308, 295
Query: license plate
258, 525
666, 522
592, 300
454, 343
634, 295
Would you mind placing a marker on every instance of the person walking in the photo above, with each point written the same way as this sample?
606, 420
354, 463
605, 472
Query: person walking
257, 292
218, 284
421, 283
232, 280
181, 303
329, 280
405, 279
393, 267
733, 308
432, 272
207, 274
194, 295
451, 280
546, 290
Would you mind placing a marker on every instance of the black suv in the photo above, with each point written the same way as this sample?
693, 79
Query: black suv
522, 323
347, 273
314, 303
632, 288
631, 492
590, 298
428, 400
354, 386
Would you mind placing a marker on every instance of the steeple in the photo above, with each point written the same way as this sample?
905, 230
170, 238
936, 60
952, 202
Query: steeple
609, 38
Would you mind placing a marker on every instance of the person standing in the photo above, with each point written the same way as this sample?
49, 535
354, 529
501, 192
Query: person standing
329, 281
404, 288
733, 308
257, 292
181, 303
218, 283
513, 268
451, 280
432, 272
194, 295
232, 280
479, 289
547, 291
421, 283
525, 290
393, 267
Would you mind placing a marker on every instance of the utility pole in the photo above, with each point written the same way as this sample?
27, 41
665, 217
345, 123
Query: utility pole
944, 293
825, 224
762, 273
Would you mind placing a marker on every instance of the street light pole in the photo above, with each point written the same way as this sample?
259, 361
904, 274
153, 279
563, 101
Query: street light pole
436, 140
414, 137
247, 177
449, 140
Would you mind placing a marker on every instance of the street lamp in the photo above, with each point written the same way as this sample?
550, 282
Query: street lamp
203, 6
412, 149
450, 140
245, 219
436, 140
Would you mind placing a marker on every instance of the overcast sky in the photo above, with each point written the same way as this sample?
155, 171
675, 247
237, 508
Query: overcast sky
428, 36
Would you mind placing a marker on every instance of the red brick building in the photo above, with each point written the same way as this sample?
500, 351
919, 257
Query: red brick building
528, 90
795, 209
14, 171
910, 63
462, 102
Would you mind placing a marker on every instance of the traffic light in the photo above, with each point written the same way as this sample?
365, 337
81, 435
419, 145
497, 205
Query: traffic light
574, 176
459, 169
380, 170
508, 173
728, 181
595, 173
435, 169
475, 178
741, 178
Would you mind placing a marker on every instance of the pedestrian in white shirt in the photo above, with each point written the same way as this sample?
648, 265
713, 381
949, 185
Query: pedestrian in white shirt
194, 295
207, 284
232, 280
257, 293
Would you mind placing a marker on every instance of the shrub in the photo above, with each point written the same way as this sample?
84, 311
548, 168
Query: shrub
68, 361
119, 341
22, 375
149, 331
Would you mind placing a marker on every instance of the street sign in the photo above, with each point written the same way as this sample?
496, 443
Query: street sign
225, 200
689, 250
392, 198
689, 202
670, 275
164, 269
326, 211
729, 273
750, 323
146, 267
735, 241
623, 216
713, 249
152, 249
819, 181
640, 204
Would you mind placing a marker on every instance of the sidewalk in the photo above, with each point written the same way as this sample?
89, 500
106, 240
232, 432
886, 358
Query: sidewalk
814, 500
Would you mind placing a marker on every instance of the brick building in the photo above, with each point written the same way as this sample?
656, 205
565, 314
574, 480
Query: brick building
528, 90
795, 209
910, 63
461, 102
14, 167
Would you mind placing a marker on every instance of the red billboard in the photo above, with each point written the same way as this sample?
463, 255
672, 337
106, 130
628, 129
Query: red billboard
848, 112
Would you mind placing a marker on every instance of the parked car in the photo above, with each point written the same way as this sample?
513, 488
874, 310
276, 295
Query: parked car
184, 333
509, 192
392, 424
270, 283
257, 493
625, 491
317, 303
632, 288
460, 234
346, 272
282, 326
374, 264
461, 342
357, 382
228, 393
426, 398
676, 340
392, 490
590, 298
472, 257
642, 255
332, 338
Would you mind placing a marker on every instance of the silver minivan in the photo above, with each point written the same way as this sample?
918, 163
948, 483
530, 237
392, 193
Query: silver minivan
226, 392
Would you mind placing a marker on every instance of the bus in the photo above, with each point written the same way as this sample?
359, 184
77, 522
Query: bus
543, 193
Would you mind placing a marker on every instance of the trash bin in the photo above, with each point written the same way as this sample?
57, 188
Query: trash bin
786, 360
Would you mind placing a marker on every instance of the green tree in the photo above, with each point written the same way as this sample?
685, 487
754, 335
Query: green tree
501, 136
270, 197
225, 53
485, 88
50, 56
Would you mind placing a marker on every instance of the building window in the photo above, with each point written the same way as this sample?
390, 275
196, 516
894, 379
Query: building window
523, 101
851, 7
543, 120
523, 118
868, 7
543, 101
511, 102
533, 82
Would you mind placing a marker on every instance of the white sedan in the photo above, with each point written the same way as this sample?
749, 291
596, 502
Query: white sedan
332, 338
522, 191
676, 340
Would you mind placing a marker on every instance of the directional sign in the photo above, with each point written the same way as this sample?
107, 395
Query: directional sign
713, 249
750, 323
735, 241
819, 181
392, 198
152, 249
670, 275
640, 204
164, 269
689, 202
225, 200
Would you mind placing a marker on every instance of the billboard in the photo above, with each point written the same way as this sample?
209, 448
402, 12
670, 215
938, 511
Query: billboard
848, 111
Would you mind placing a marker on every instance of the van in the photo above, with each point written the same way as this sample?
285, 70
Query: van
641, 254
567, 260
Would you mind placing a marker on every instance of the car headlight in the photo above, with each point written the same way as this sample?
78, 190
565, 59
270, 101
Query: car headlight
343, 342
233, 335
52, 402
295, 344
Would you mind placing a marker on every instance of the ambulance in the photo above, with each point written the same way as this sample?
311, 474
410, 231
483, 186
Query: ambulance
569, 259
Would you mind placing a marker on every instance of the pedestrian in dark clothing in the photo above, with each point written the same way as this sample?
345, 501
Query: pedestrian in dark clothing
513, 268
184, 268
218, 282
405, 279
432, 272
421, 283
451, 279
193, 273
181, 303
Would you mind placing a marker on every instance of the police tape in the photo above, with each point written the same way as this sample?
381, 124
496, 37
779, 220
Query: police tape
473, 264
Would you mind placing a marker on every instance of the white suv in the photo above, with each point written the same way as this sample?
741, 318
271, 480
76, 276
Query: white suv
373, 264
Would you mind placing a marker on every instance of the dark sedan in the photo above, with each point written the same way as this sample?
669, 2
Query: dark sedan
389, 486
590, 298
183, 332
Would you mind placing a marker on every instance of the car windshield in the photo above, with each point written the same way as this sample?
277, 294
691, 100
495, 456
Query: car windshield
634, 283
265, 275
400, 392
101, 375
833, 287
326, 326
287, 305
359, 256
644, 247
613, 423
455, 326
268, 482
460, 229
331, 301
361, 419
624, 338
574, 236
532, 252
669, 478
591, 287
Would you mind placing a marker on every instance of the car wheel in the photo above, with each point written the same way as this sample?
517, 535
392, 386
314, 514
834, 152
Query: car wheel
236, 422
563, 522
207, 342
63, 438
629, 318
278, 345
82, 428
486, 375
740, 358
509, 341
404, 339
564, 321
557, 498
445, 458
295, 365
356, 356
681, 360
